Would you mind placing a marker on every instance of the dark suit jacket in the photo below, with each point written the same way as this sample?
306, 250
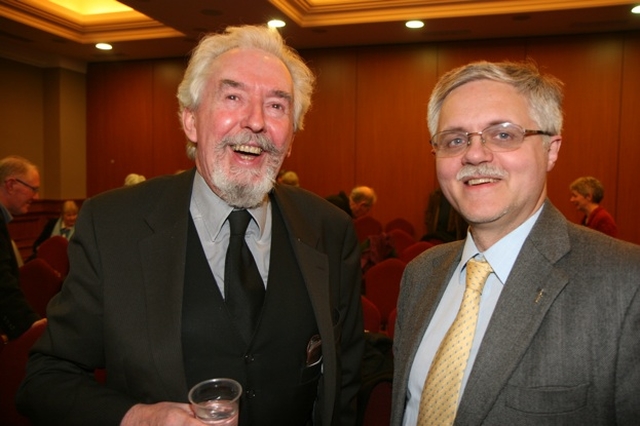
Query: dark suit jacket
120, 306
571, 358
16, 315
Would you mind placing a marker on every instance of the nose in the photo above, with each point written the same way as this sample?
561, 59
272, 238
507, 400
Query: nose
476, 152
254, 119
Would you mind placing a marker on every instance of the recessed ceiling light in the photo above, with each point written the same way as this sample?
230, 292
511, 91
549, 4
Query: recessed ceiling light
636, 9
414, 24
104, 46
276, 23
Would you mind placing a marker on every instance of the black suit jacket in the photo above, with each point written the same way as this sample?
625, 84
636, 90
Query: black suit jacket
16, 315
120, 306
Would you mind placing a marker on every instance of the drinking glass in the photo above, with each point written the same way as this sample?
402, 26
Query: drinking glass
215, 401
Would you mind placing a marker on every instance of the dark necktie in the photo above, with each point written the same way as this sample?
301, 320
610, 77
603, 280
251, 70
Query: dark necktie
243, 286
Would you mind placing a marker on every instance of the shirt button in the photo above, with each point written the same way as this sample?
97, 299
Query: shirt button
248, 359
250, 393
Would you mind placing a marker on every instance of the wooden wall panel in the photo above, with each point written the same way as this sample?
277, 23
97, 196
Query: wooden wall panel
392, 142
119, 123
324, 151
368, 126
168, 151
590, 67
626, 196
456, 54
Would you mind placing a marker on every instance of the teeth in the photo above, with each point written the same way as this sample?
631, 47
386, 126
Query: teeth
480, 181
247, 149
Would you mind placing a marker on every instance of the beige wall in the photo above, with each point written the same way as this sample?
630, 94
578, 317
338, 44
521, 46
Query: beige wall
43, 118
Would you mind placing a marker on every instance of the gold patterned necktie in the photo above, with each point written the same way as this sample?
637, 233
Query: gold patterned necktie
439, 400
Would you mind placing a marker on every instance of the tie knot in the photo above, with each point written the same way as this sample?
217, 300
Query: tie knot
238, 221
477, 273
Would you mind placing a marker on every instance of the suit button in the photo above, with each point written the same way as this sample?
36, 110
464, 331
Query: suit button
250, 393
248, 359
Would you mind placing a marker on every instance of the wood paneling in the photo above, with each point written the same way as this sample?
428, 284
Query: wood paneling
367, 124
324, 151
119, 123
392, 140
626, 199
168, 153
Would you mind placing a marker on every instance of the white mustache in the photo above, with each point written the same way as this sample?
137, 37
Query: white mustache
483, 170
262, 141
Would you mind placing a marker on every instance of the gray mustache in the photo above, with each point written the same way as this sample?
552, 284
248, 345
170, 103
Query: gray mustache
484, 170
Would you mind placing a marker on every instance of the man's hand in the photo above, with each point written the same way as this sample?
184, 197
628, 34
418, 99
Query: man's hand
162, 413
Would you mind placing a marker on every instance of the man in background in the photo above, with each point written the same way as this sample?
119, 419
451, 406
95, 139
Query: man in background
548, 331
153, 298
63, 226
20, 183
357, 204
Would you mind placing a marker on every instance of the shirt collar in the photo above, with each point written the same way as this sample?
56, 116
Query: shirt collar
213, 210
503, 254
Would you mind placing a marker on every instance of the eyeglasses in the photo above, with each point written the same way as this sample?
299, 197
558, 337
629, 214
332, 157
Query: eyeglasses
501, 137
35, 189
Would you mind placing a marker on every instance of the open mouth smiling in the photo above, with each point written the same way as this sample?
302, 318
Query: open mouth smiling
247, 150
480, 181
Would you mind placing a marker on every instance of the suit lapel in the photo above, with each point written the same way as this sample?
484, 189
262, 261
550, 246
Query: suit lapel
314, 266
529, 292
163, 258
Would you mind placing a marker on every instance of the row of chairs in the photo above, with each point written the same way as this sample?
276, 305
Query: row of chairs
40, 279
368, 225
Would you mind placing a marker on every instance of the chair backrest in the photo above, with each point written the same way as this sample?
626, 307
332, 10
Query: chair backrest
411, 252
391, 323
39, 283
13, 362
400, 223
366, 226
400, 240
371, 315
54, 251
382, 285
378, 411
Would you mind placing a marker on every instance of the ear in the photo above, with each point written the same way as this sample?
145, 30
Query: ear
189, 125
552, 151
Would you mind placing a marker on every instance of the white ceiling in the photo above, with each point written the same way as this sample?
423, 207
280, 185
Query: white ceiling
39, 38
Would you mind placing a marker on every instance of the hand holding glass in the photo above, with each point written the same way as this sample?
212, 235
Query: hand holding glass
216, 401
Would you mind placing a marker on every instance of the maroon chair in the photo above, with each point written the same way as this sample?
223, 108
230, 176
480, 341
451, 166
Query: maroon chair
13, 363
371, 315
39, 283
400, 240
367, 226
382, 285
411, 252
401, 223
54, 251
378, 411
391, 323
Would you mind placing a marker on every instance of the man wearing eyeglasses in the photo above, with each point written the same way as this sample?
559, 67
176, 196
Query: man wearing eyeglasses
20, 181
548, 334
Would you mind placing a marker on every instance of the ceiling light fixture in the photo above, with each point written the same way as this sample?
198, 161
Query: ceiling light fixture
636, 10
104, 46
414, 24
276, 23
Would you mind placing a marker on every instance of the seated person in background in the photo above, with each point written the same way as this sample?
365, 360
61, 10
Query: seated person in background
444, 224
133, 179
586, 194
358, 203
63, 226
19, 185
289, 178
